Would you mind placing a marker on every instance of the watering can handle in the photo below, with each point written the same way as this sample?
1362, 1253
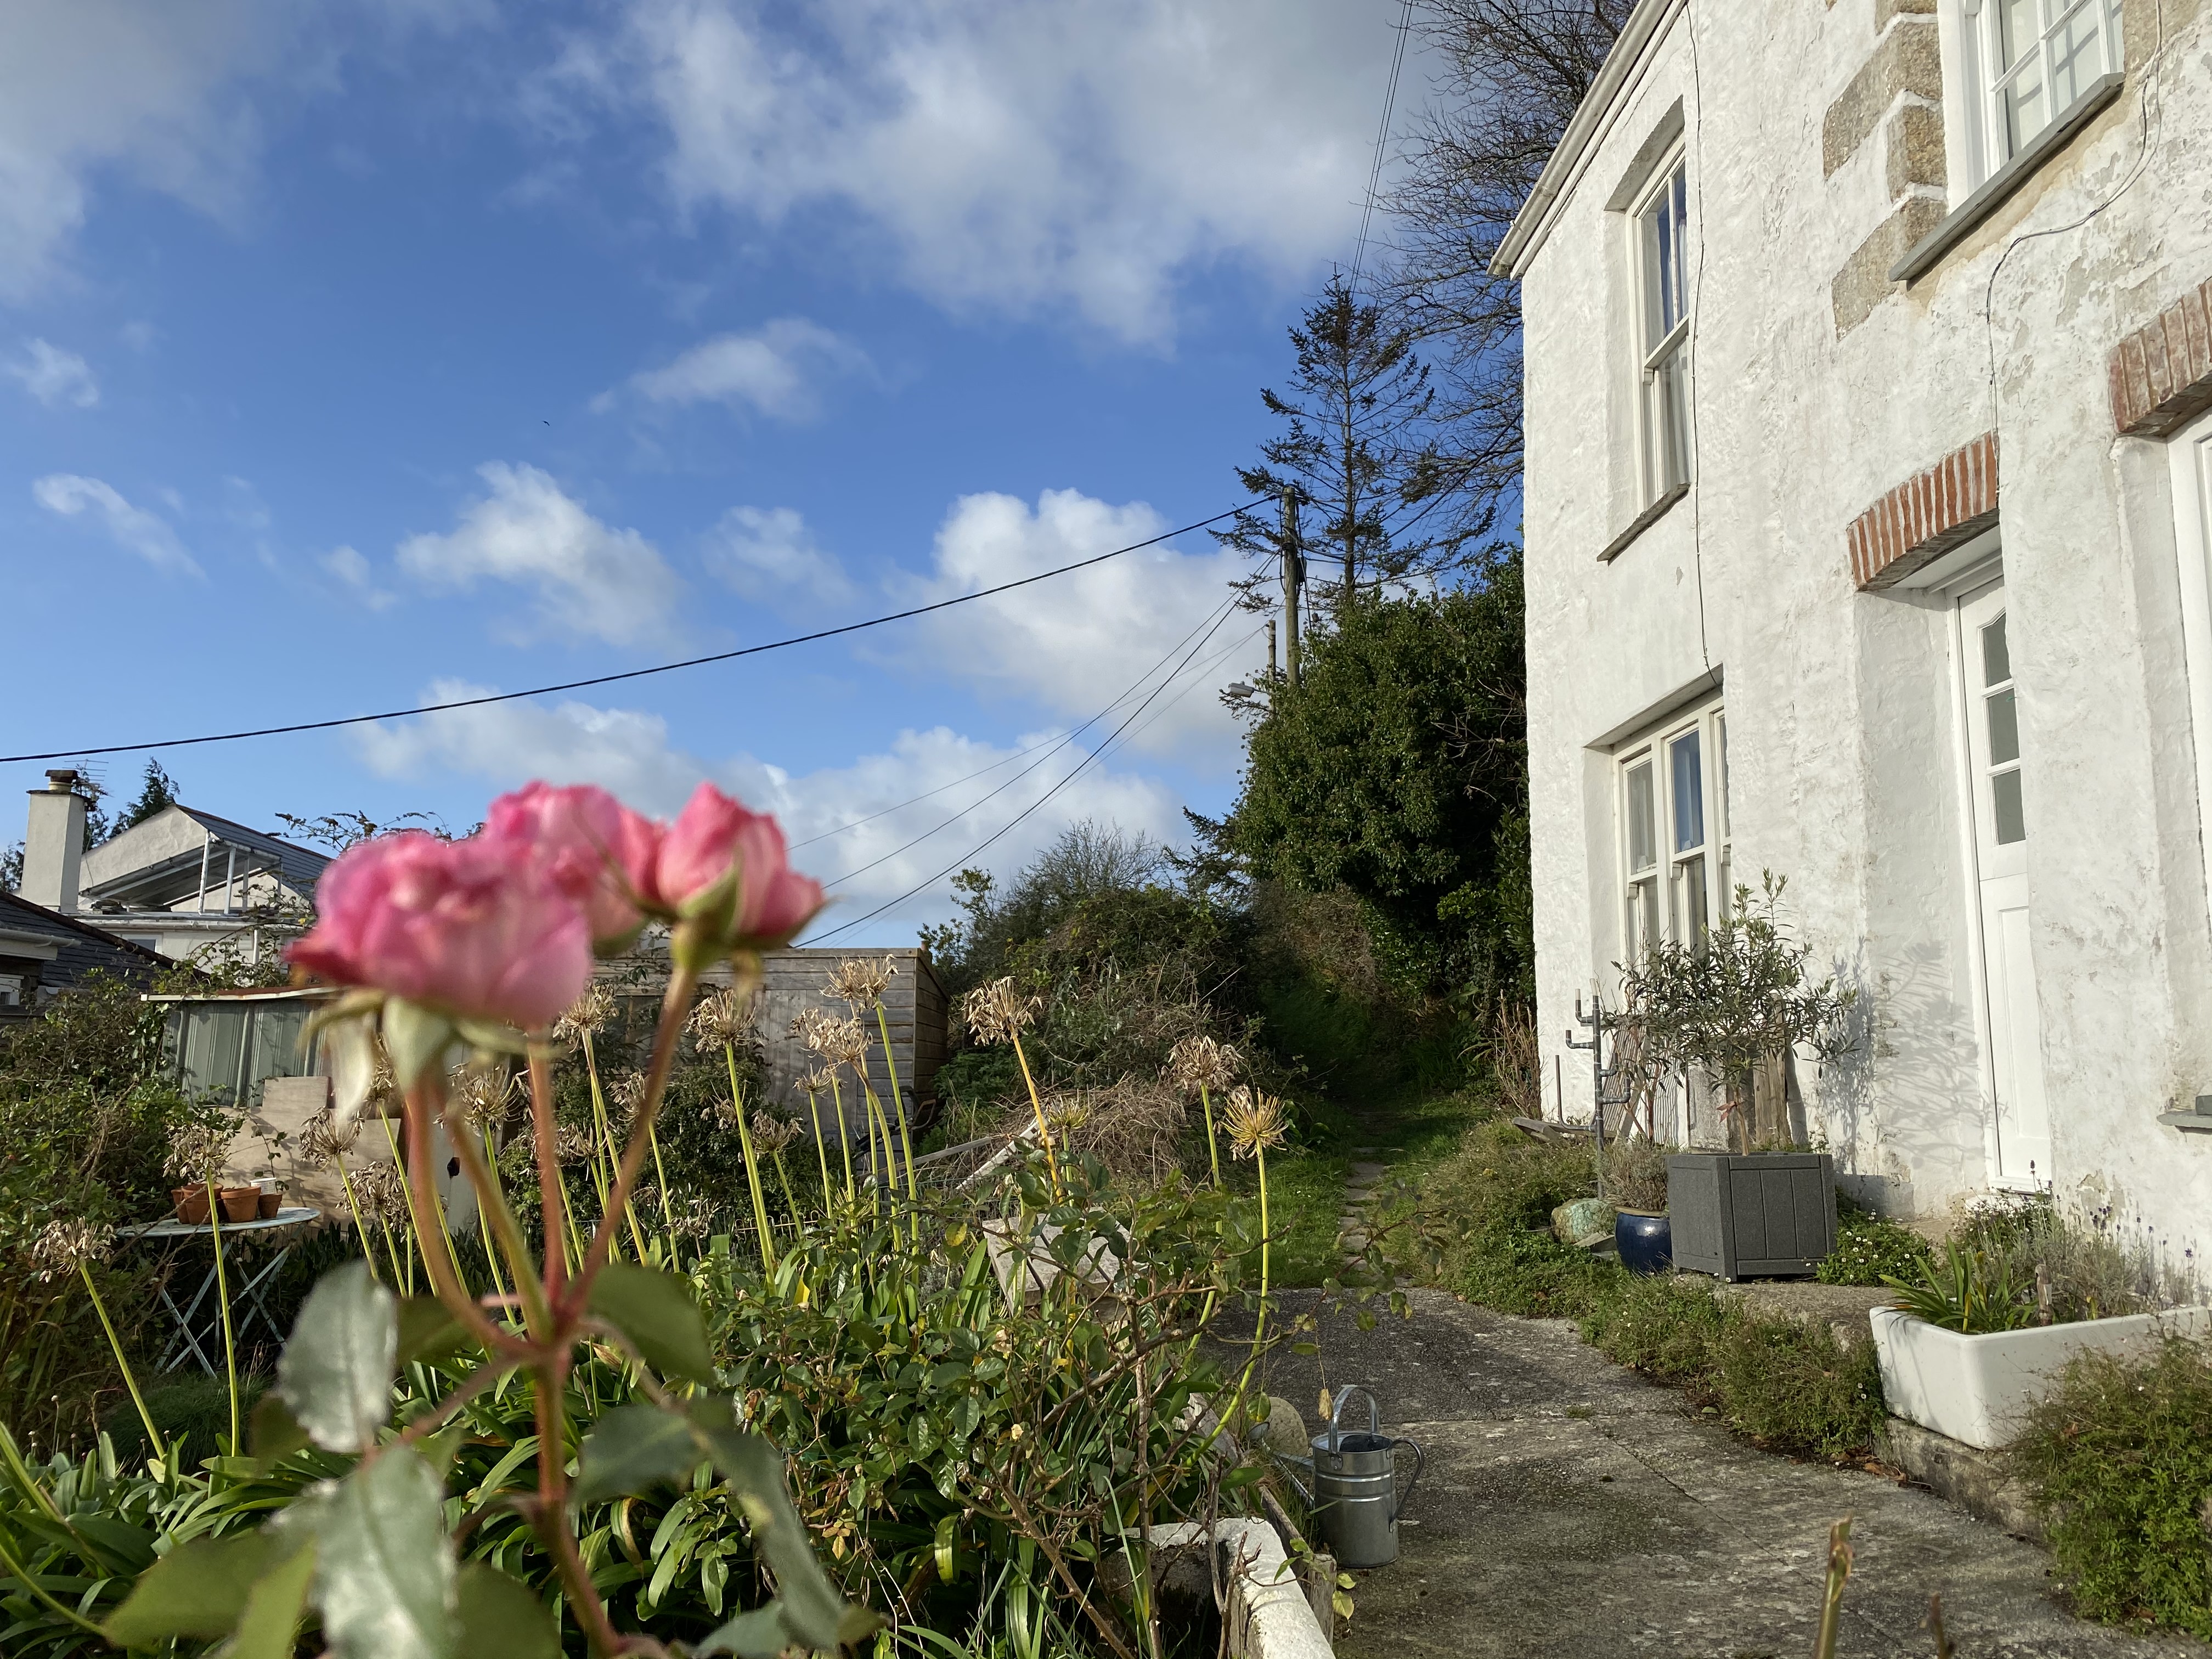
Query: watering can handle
1336, 1417
1420, 1462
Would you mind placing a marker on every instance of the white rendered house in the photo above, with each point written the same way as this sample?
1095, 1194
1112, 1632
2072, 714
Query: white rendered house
1868, 467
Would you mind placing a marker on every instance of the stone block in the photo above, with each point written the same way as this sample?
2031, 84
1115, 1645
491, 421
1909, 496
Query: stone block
1912, 148
1863, 283
1905, 61
1980, 1482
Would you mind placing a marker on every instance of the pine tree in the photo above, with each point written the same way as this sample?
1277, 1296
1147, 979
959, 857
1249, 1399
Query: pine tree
1357, 447
157, 794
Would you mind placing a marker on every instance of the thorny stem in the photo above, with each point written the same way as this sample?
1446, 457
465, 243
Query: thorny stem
1037, 1106
683, 983
130, 1380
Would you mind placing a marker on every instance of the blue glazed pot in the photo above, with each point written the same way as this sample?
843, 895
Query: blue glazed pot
1646, 1241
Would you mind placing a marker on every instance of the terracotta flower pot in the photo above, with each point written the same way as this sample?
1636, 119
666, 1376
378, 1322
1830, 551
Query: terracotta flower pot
192, 1204
240, 1203
271, 1203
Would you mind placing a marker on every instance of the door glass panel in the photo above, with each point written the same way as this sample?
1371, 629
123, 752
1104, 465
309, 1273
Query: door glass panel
1997, 660
1687, 768
2004, 800
1643, 830
2004, 727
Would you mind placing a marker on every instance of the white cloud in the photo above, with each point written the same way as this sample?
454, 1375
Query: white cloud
779, 370
1013, 155
769, 556
161, 94
589, 578
352, 571
628, 752
56, 377
1073, 642
131, 527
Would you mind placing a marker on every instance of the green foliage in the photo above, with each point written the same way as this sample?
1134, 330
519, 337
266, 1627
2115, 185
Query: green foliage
157, 794
1396, 770
1965, 1290
2119, 1454
1870, 1249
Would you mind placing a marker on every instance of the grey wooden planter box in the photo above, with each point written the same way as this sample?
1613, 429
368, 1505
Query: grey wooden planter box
1766, 1215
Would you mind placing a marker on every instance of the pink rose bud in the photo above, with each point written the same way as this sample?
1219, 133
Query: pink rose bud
720, 860
475, 928
597, 851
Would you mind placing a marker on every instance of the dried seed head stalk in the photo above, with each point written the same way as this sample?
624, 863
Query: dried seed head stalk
816, 1082
1199, 1062
860, 982
772, 1135
692, 1218
62, 1247
323, 1142
381, 1189
1065, 1113
844, 1042
588, 1016
570, 1143
1255, 1122
723, 1114
485, 1095
724, 1016
811, 1026
994, 1013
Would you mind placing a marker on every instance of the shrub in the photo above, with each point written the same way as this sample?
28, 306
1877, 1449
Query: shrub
1870, 1249
2120, 1458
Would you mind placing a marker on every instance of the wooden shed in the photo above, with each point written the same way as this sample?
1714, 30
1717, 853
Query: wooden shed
914, 1007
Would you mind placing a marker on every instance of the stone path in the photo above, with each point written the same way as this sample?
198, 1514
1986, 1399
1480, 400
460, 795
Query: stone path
1362, 1182
1570, 1509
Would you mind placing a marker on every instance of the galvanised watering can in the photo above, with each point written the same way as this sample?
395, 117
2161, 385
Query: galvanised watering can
1355, 1498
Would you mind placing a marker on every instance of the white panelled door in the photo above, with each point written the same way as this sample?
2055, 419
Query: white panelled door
2015, 1026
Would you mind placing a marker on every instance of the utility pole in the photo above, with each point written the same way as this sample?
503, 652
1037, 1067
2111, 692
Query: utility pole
1271, 649
1294, 574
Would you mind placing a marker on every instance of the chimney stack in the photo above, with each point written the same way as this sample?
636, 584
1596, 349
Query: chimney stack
54, 847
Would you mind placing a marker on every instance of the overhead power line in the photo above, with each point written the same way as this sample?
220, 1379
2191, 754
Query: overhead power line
1077, 771
627, 674
1066, 739
1382, 139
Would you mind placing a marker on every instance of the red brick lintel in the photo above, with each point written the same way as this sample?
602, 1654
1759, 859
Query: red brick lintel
1927, 515
2162, 374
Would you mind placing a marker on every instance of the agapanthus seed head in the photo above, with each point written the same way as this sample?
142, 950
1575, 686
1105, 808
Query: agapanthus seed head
772, 1135
860, 982
1255, 1122
725, 1016
62, 1246
995, 1013
1065, 1113
590, 1014
381, 1189
485, 1095
816, 1082
627, 1092
322, 1141
723, 1114
571, 1143
844, 1042
810, 1027
1200, 1062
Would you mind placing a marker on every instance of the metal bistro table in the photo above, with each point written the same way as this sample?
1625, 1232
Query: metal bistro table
247, 1305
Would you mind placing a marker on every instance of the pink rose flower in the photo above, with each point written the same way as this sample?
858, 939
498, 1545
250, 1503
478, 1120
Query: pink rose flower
718, 855
473, 928
597, 851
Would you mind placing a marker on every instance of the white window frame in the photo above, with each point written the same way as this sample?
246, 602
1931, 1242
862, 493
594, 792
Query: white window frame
1991, 140
2188, 459
1660, 898
1662, 353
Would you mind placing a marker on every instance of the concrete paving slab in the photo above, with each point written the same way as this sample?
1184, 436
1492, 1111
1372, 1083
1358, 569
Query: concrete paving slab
1571, 1509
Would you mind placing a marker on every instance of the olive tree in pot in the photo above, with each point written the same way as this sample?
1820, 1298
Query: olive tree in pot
1730, 1008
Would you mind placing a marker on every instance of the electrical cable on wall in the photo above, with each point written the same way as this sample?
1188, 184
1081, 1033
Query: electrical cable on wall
632, 673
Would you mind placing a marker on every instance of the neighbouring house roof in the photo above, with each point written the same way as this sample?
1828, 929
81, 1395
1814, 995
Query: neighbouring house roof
1591, 118
66, 950
160, 863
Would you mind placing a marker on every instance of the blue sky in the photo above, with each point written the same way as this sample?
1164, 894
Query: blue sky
360, 356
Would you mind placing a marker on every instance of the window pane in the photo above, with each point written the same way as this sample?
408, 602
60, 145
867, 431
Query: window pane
2004, 728
2076, 54
2019, 28
1643, 831
1690, 922
1997, 660
1684, 763
1647, 898
2012, 822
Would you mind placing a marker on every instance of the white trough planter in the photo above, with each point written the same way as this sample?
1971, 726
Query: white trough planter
1978, 1388
1269, 1616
